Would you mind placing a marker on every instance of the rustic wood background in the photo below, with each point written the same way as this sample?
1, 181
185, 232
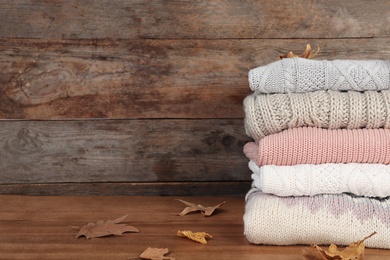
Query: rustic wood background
144, 97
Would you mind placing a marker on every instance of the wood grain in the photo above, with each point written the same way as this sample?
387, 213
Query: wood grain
45, 227
134, 97
191, 188
122, 151
75, 19
120, 79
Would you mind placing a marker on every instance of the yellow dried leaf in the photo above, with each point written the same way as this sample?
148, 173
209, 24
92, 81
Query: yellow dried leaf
307, 54
156, 254
355, 251
206, 211
199, 237
102, 229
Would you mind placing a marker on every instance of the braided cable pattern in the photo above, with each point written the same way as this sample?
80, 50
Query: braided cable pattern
267, 114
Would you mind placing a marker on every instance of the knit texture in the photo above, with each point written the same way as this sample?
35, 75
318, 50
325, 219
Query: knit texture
306, 75
370, 180
309, 145
269, 114
320, 219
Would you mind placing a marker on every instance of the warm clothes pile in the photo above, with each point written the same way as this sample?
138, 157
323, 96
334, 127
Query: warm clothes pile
321, 152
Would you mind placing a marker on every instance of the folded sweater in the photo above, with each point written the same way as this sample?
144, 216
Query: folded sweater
362, 179
310, 145
271, 113
305, 75
320, 219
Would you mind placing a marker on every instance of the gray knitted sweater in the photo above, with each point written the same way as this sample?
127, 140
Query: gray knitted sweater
303, 75
272, 113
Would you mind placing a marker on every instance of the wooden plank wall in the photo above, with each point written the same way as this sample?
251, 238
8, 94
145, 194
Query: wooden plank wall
144, 97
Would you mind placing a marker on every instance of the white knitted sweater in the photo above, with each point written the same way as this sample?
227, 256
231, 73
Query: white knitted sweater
371, 180
304, 75
320, 219
271, 113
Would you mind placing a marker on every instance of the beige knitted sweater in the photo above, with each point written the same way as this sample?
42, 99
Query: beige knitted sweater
267, 114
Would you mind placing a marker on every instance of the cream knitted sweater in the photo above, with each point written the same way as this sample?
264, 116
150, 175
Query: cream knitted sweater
271, 113
305, 75
320, 219
362, 179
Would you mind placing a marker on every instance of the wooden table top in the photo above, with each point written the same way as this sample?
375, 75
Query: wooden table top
33, 227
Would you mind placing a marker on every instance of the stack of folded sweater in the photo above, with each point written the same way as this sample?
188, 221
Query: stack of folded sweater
321, 155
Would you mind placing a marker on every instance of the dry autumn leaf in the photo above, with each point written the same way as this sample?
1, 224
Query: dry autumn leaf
206, 211
101, 228
199, 237
156, 254
307, 54
355, 251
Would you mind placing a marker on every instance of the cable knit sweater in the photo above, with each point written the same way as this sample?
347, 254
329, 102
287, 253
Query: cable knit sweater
309, 145
362, 179
320, 219
271, 113
305, 75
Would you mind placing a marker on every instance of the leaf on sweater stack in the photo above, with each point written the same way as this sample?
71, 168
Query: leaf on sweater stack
307, 54
355, 250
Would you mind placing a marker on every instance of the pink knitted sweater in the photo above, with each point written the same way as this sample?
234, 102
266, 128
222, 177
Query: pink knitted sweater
309, 145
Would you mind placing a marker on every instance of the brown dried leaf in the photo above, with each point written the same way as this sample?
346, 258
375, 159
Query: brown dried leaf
199, 237
307, 54
355, 251
206, 211
101, 228
313, 253
155, 254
